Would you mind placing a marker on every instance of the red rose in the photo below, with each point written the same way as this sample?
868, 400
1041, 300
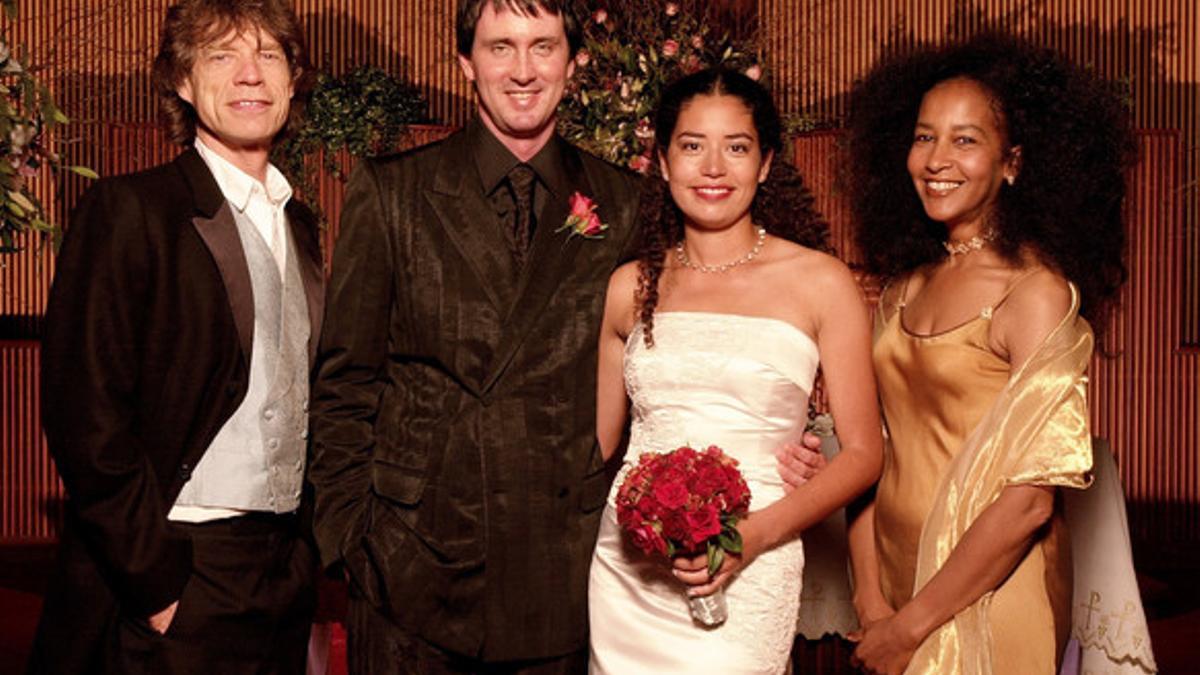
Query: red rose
648, 506
675, 527
703, 524
710, 480
671, 494
670, 48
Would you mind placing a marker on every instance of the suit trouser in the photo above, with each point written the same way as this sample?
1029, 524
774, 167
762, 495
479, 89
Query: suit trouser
247, 608
377, 646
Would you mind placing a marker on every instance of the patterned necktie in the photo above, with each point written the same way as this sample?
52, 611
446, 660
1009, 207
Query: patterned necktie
520, 180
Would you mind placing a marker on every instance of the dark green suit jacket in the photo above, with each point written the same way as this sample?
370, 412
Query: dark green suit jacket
454, 455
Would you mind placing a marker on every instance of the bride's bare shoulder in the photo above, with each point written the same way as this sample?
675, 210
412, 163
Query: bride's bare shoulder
811, 271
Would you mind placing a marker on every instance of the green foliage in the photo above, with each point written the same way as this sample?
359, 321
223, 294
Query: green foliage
631, 50
364, 112
27, 116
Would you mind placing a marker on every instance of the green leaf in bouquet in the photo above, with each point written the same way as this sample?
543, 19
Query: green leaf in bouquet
730, 539
716, 556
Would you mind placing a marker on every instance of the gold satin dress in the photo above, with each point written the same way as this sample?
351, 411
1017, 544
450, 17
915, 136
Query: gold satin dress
935, 390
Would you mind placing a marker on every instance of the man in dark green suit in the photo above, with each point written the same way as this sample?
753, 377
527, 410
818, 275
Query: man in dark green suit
457, 476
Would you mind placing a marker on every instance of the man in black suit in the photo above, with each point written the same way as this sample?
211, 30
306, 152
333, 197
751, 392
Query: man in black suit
454, 458
178, 344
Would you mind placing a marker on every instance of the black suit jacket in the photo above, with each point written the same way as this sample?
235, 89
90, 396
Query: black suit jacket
145, 356
454, 456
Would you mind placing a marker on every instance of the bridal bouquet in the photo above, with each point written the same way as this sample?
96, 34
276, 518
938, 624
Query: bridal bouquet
686, 502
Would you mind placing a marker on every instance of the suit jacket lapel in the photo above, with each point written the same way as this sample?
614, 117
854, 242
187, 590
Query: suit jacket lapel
471, 223
304, 233
552, 256
215, 225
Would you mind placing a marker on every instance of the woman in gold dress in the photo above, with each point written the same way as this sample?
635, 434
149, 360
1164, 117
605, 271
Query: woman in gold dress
987, 182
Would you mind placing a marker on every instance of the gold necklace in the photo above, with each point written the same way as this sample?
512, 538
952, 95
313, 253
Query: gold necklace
684, 260
973, 244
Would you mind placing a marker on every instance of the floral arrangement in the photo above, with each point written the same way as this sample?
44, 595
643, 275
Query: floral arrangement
364, 112
28, 115
631, 50
684, 501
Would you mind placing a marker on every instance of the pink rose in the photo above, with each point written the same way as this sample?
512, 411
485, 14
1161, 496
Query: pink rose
670, 48
646, 538
580, 205
703, 523
672, 8
640, 164
583, 221
593, 226
582, 58
697, 42
754, 72
600, 16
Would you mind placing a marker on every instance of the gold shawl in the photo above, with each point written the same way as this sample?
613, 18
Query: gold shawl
1036, 433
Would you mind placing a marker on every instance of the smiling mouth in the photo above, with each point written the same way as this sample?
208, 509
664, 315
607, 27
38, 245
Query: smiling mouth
250, 104
522, 96
942, 186
713, 192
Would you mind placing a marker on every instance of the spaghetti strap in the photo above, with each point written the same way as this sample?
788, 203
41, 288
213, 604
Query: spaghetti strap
903, 301
987, 311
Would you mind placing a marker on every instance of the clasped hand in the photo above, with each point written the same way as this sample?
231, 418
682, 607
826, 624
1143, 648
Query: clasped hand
885, 646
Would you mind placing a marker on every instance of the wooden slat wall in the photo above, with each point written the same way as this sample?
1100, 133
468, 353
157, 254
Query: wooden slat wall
1146, 400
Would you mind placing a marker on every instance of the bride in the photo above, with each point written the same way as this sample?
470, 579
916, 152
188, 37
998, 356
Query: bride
713, 336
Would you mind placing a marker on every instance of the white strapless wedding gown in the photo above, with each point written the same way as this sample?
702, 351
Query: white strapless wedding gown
741, 383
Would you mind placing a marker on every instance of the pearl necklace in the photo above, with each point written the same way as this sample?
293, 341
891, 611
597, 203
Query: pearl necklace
973, 244
682, 256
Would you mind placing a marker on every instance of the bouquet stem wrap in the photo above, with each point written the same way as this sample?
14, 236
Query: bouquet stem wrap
709, 610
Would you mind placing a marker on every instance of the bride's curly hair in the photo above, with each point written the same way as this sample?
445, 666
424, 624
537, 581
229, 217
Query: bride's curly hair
782, 204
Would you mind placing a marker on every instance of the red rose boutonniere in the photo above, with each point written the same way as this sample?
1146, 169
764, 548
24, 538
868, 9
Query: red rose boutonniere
583, 220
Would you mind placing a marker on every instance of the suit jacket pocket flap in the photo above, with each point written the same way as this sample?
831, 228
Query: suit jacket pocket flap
397, 483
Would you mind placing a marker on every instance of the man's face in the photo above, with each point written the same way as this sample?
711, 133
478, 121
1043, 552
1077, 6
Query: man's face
241, 86
520, 66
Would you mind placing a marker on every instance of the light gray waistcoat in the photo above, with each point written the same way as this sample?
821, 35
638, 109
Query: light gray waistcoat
256, 461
